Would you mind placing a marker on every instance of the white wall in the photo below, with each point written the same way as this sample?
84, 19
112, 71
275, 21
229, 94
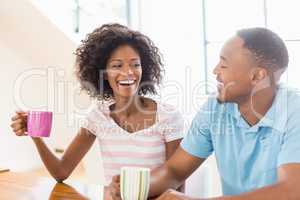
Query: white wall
14, 151
36, 63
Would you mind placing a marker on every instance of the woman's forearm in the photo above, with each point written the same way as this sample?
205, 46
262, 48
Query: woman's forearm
52, 163
61, 169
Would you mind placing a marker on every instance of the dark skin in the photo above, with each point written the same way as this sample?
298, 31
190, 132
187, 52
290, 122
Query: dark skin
240, 80
253, 88
130, 111
136, 121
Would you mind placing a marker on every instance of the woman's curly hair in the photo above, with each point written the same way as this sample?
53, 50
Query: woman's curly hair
95, 50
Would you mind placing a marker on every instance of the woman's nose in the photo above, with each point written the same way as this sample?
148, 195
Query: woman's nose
127, 70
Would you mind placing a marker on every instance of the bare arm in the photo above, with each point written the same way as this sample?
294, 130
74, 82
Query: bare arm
174, 172
170, 150
287, 187
61, 169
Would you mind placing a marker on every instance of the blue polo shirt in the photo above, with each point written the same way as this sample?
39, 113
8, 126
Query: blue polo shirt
247, 157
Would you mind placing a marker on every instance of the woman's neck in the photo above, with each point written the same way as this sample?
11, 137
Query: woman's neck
127, 106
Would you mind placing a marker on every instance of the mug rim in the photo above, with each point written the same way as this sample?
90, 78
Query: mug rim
135, 168
40, 112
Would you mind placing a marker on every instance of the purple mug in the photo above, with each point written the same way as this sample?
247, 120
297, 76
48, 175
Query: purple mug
39, 123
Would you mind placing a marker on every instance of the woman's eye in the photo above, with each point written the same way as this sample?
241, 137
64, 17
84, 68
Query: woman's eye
116, 66
222, 66
137, 64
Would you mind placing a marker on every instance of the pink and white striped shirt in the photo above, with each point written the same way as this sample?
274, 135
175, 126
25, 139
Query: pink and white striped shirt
144, 148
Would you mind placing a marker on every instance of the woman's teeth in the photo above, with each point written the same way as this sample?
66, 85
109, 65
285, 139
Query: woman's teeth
126, 82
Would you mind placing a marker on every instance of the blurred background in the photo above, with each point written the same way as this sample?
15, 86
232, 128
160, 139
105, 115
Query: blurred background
38, 38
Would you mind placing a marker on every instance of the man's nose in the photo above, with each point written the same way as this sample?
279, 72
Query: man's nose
216, 70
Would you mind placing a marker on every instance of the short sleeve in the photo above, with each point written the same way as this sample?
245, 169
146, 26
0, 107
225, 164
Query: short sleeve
93, 121
171, 123
174, 127
290, 146
198, 141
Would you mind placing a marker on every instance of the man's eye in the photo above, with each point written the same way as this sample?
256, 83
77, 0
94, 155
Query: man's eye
223, 66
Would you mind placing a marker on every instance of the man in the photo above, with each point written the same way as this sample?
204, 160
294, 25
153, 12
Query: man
253, 126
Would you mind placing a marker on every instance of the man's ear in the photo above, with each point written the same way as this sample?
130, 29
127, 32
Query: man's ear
259, 74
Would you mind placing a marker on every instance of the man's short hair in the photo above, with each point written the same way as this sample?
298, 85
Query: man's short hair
267, 47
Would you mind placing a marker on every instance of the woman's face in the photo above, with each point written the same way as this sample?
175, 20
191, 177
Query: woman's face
124, 71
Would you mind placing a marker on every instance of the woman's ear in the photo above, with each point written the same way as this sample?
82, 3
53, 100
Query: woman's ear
103, 74
105, 77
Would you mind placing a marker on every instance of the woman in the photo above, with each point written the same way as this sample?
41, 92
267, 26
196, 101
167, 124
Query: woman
117, 67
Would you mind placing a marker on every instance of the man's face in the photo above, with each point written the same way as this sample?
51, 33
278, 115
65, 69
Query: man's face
233, 72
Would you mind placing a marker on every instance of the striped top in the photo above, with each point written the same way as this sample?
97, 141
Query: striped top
144, 148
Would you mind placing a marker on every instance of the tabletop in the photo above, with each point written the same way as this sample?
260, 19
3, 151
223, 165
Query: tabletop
16, 185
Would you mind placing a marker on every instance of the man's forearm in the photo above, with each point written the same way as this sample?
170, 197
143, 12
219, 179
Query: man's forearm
277, 191
173, 173
163, 179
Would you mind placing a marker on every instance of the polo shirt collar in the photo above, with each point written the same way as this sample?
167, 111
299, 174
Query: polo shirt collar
276, 116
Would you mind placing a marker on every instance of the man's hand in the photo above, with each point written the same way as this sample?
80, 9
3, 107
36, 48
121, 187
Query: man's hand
112, 192
173, 195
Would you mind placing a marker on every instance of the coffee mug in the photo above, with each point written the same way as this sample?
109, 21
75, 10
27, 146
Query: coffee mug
135, 183
39, 123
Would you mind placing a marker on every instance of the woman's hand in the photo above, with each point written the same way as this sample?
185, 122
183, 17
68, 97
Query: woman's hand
112, 192
19, 123
173, 195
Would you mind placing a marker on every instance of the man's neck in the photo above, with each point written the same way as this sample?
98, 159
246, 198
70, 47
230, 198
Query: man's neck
257, 105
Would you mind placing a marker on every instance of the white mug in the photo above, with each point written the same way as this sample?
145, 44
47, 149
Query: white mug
135, 183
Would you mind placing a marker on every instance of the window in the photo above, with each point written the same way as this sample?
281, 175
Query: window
78, 17
223, 18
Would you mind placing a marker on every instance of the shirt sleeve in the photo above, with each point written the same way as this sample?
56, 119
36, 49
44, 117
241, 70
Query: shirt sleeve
174, 126
92, 121
198, 140
290, 146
